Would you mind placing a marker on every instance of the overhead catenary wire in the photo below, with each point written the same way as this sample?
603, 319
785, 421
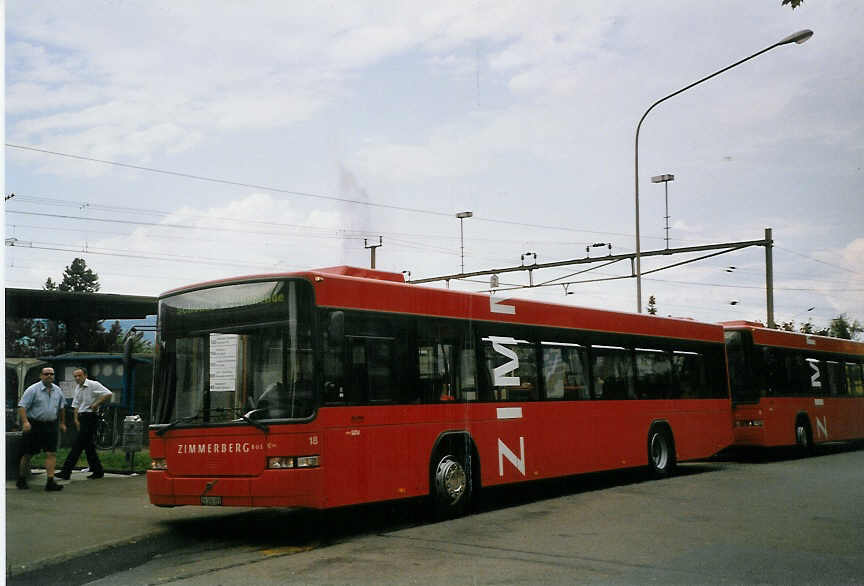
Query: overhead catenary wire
283, 191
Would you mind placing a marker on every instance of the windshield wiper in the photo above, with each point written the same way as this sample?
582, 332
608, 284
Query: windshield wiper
177, 422
247, 417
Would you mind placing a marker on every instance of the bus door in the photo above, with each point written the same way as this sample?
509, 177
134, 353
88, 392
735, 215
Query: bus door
370, 451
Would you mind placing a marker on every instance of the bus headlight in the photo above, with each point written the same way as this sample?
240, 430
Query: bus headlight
279, 462
307, 462
283, 462
749, 423
158, 464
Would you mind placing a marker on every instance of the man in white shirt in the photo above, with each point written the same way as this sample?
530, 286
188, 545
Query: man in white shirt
89, 395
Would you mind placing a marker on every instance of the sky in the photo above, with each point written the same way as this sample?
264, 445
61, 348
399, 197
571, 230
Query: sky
169, 143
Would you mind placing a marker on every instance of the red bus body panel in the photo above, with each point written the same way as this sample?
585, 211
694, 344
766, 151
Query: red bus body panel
381, 453
375, 453
832, 418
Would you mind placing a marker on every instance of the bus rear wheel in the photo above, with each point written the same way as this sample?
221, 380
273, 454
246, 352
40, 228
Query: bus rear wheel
803, 436
661, 452
451, 486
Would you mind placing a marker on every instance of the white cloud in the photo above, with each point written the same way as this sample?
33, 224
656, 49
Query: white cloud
516, 110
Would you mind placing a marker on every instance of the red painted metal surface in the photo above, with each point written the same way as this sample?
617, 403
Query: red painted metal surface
830, 418
374, 453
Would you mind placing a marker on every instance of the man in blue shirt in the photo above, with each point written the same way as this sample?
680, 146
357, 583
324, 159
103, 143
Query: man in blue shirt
39, 408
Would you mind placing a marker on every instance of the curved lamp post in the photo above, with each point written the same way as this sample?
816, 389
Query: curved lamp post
798, 37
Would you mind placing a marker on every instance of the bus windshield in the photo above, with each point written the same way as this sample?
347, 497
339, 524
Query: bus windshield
231, 351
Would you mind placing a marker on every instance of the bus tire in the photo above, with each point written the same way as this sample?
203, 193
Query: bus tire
451, 484
661, 451
803, 435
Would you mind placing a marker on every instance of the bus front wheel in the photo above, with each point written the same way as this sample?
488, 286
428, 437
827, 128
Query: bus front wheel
661, 452
451, 486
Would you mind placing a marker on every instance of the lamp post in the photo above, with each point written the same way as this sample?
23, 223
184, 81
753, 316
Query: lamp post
665, 179
798, 38
462, 216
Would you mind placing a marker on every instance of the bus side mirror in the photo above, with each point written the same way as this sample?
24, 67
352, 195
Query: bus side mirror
336, 327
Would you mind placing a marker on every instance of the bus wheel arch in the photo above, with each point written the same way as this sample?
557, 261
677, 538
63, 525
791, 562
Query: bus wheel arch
454, 472
661, 449
803, 433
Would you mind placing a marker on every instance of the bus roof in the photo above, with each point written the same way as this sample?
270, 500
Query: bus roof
784, 339
366, 289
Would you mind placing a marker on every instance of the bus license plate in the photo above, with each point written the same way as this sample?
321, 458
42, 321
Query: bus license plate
213, 501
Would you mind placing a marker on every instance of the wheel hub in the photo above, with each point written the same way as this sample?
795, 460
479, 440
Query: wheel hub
451, 479
659, 452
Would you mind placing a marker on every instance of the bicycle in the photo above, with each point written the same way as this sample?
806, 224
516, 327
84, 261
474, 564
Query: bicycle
108, 428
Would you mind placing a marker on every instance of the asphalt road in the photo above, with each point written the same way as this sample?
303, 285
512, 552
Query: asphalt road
767, 520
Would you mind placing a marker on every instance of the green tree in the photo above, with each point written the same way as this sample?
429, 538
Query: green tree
77, 278
652, 305
842, 327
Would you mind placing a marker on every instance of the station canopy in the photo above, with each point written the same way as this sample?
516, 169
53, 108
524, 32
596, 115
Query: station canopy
63, 306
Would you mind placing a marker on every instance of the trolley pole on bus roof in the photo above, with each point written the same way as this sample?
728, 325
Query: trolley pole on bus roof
372, 248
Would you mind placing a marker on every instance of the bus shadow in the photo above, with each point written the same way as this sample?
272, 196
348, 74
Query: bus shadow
761, 455
495, 498
298, 528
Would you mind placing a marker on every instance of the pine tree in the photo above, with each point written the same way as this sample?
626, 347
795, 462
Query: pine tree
652, 305
77, 278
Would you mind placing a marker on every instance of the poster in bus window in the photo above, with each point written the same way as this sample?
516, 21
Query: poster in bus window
223, 362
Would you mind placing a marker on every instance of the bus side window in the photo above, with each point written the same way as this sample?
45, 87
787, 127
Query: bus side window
511, 368
371, 370
334, 342
445, 361
854, 381
782, 373
689, 375
836, 379
437, 371
565, 371
612, 368
813, 377
653, 374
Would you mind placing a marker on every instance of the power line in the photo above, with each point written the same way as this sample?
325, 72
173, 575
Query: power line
819, 261
303, 193
134, 254
415, 235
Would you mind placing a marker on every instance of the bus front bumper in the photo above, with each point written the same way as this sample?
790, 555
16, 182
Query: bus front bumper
272, 488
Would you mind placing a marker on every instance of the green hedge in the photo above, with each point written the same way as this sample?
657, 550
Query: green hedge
112, 460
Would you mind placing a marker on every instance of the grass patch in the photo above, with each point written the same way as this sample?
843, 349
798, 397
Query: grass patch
112, 460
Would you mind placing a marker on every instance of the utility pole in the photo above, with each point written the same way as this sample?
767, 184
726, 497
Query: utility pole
665, 179
769, 278
462, 216
372, 248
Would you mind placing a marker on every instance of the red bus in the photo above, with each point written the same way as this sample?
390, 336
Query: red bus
342, 386
794, 389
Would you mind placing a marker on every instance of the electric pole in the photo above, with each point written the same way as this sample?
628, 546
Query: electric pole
372, 248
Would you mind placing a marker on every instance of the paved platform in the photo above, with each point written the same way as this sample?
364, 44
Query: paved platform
45, 530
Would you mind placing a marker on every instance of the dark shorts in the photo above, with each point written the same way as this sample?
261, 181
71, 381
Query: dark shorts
43, 435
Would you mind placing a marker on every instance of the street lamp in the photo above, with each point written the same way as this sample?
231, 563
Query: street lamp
798, 38
665, 179
462, 216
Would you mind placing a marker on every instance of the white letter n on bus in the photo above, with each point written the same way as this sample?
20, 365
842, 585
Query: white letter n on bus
505, 452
